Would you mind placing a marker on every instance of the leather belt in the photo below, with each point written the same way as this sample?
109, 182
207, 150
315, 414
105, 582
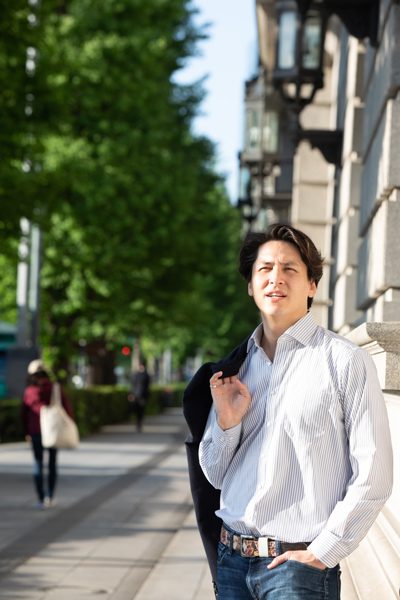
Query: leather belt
250, 546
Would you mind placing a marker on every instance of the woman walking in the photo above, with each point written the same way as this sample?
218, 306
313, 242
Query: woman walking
36, 395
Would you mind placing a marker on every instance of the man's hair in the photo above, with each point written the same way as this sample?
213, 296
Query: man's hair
310, 256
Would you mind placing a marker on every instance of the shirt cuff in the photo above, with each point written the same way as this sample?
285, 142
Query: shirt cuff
226, 437
328, 548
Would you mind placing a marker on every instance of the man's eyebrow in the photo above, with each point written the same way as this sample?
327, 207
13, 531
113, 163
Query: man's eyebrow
284, 263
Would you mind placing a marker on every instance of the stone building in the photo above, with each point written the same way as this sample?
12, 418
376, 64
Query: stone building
344, 190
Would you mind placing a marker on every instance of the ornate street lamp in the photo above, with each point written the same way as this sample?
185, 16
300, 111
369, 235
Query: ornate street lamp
261, 145
292, 50
266, 162
262, 122
244, 184
298, 71
360, 17
245, 203
301, 25
267, 156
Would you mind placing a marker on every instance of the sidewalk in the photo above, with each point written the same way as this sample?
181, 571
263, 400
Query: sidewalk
123, 527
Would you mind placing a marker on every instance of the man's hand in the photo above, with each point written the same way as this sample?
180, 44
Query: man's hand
302, 556
231, 399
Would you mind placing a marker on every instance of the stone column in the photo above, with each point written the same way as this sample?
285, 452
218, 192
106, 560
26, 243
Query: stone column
364, 580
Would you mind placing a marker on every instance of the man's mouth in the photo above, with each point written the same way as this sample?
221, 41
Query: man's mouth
276, 295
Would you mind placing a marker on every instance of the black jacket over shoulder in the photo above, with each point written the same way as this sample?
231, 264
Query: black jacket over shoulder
197, 402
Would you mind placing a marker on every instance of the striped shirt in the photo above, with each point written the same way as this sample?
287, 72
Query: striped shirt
312, 459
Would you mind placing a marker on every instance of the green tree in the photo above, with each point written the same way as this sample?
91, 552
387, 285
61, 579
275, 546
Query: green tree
22, 82
125, 240
139, 236
8, 284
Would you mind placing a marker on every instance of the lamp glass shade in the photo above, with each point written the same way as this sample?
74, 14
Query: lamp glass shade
244, 183
287, 39
253, 129
269, 186
311, 42
270, 133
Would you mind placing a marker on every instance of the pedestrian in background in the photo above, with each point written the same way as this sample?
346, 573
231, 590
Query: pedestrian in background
292, 429
38, 394
140, 393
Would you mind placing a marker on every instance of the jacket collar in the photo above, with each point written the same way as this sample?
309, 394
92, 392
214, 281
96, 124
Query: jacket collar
231, 364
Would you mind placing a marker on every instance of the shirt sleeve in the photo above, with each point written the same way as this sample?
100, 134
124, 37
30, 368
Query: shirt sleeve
217, 448
371, 459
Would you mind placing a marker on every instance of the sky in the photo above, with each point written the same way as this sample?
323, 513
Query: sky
228, 57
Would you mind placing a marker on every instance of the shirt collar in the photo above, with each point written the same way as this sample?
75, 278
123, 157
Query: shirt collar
255, 338
302, 331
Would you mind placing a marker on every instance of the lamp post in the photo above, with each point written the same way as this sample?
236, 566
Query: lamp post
298, 71
245, 201
260, 155
295, 55
262, 121
266, 160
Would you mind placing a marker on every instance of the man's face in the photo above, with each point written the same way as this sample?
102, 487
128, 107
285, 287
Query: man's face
279, 283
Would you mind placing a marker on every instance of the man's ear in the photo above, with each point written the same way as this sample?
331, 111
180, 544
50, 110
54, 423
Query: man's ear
249, 289
312, 290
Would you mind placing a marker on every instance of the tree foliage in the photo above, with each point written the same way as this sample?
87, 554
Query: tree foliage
139, 236
22, 124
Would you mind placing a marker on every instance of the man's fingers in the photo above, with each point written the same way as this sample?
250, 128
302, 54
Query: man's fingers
278, 560
215, 380
216, 376
303, 556
243, 388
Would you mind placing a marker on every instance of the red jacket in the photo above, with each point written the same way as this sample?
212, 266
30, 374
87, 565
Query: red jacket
36, 396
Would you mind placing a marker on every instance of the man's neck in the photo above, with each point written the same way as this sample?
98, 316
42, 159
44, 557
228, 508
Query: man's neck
272, 330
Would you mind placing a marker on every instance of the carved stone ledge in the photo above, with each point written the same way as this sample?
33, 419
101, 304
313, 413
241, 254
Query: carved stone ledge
382, 342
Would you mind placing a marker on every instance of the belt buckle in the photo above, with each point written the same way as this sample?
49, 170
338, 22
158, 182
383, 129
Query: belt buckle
248, 546
264, 546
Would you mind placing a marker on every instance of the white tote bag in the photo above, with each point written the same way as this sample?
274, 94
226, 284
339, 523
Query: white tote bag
57, 428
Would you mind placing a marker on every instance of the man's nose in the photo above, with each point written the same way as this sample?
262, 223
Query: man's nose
276, 275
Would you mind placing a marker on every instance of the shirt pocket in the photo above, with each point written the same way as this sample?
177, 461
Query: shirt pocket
308, 413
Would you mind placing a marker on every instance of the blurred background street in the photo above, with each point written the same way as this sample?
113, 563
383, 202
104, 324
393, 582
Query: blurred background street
122, 527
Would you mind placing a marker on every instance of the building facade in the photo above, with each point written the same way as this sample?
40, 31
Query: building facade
344, 191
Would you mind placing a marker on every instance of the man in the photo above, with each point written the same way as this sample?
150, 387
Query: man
140, 393
297, 438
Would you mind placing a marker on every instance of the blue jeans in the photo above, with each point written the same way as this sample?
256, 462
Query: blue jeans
242, 578
38, 452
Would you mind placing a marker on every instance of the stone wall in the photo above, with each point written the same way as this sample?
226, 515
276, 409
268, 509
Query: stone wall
373, 570
365, 282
